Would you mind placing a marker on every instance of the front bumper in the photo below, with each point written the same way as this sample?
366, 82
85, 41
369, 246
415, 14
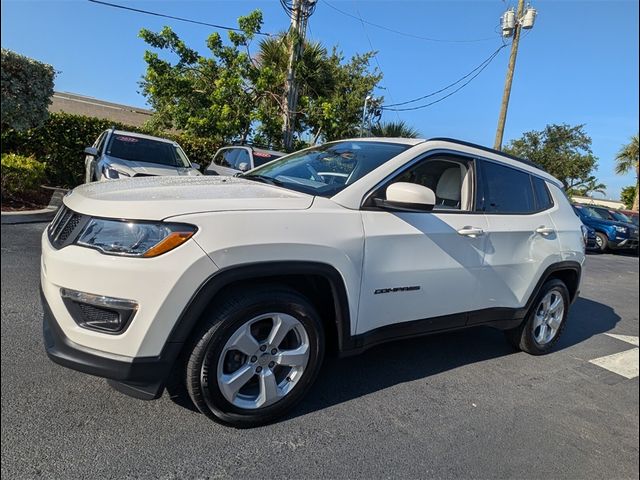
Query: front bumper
142, 377
624, 244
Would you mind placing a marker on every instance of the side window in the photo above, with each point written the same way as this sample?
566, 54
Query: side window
449, 179
242, 157
100, 142
225, 157
543, 197
507, 190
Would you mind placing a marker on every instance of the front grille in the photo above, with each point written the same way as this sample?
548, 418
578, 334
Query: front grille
65, 227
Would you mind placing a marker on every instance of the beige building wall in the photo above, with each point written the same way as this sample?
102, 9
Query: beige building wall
92, 107
613, 204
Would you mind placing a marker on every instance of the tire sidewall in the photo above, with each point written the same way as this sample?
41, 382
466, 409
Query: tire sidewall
217, 404
527, 341
602, 248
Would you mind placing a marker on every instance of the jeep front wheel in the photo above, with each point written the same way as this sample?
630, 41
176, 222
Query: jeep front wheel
255, 356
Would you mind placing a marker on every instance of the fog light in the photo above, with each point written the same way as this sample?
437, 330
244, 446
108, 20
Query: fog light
98, 312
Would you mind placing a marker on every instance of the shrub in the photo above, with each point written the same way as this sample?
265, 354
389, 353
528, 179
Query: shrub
21, 176
60, 142
27, 87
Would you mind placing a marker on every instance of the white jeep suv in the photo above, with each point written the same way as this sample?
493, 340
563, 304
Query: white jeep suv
233, 288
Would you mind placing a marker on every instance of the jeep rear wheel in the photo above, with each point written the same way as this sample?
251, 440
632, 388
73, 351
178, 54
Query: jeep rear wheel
255, 356
544, 322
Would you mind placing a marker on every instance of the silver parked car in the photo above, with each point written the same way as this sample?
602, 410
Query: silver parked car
117, 154
238, 159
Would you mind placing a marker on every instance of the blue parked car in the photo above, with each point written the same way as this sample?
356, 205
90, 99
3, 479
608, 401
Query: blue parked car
610, 233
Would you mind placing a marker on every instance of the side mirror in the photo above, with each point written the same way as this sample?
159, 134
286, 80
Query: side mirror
195, 166
93, 151
407, 197
243, 167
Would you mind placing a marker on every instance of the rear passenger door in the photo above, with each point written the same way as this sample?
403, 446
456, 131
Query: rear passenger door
521, 237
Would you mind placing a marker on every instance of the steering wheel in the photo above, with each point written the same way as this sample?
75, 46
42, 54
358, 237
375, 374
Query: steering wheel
315, 176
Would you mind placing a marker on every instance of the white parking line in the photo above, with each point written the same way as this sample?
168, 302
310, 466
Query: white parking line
623, 363
625, 338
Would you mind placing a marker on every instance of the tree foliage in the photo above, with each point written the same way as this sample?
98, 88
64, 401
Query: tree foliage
627, 161
394, 129
562, 150
27, 87
628, 195
234, 94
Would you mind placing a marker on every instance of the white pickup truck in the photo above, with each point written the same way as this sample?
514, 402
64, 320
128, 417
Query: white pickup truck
232, 288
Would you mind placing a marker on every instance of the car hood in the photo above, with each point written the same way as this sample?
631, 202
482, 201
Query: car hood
132, 168
606, 223
157, 198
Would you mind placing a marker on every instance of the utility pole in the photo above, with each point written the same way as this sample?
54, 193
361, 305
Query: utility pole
512, 25
299, 11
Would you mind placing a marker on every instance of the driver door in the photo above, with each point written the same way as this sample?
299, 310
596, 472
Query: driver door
424, 266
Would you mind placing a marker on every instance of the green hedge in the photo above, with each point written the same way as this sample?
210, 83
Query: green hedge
27, 87
21, 175
60, 142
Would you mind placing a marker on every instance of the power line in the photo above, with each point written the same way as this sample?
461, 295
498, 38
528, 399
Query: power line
418, 107
375, 55
406, 34
181, 19
484, 63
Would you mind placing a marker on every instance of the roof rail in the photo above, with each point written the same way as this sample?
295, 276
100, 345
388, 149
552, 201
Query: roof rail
487, 149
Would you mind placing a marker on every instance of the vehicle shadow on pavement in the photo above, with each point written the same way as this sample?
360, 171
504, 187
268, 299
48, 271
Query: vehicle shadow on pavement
394, 363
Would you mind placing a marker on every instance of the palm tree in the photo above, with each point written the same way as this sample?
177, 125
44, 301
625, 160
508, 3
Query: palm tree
627, 161
394, 129
591, 186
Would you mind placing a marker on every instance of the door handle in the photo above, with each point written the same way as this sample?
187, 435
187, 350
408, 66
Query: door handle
472, 232
542, 230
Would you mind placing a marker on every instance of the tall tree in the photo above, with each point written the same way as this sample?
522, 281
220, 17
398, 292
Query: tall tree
232, 94
204, 96
591, 186
562, 150
394, 129
627, 161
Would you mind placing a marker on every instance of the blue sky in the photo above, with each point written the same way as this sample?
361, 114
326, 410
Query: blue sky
578, 65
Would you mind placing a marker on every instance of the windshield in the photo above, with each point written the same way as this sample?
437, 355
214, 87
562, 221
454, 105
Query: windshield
327, 169
145, 150
621, 217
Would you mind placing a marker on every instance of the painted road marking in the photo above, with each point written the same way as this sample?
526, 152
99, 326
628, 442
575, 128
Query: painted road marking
625, 338
623, 363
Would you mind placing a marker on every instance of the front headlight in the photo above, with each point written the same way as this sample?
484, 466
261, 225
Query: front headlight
112, 173
134, 239
621, 229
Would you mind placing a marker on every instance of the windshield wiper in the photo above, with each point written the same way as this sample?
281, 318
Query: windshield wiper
263, 179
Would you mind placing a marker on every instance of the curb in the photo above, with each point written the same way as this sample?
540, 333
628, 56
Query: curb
35, 216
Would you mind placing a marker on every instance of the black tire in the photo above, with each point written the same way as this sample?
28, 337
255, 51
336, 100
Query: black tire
238, 307
523, 337
602, 242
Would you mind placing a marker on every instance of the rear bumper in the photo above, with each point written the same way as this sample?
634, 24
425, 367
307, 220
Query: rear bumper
142, 377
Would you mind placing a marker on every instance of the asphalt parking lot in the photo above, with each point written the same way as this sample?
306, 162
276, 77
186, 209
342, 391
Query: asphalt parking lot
458, 405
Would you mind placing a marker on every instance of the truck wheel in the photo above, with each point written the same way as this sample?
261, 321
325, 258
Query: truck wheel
544, 322
602, 242
255, 356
